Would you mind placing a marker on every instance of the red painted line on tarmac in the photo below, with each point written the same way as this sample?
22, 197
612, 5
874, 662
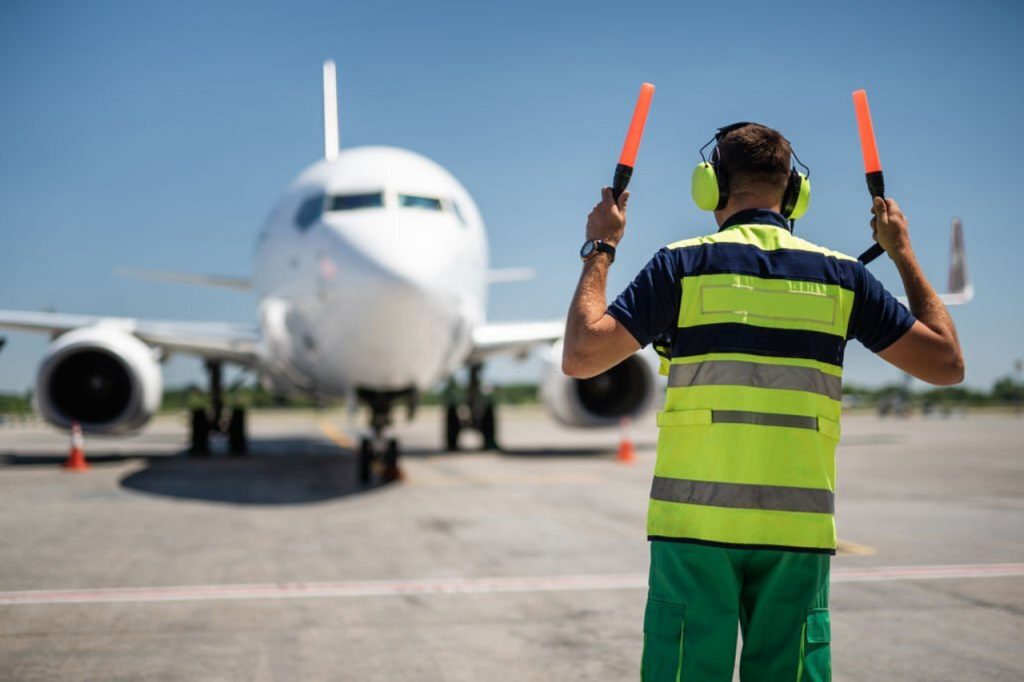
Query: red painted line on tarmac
394, 588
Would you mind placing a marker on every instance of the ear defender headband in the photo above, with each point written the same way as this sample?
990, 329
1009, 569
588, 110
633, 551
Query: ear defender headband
709, 184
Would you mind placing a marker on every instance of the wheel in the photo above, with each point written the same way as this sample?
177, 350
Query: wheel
391, 470
488, 427
200, 433
365, 460
452, 426
238, 444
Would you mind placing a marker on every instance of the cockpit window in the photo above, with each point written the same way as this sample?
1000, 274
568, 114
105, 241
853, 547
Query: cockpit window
413, 201
309, 211
353, 202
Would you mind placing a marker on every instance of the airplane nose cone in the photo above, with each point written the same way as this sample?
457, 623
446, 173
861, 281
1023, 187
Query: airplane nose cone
389, 315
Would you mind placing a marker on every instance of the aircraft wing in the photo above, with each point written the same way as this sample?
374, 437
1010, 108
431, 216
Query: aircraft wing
216, 281
514, 338
209, 340
502, 275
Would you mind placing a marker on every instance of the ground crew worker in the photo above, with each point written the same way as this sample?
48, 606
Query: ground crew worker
751, 324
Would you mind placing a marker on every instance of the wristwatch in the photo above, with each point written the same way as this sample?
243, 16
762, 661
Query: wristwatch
592, 247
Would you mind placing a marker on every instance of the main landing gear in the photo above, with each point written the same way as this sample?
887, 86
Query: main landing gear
205, 422
476, 412
378, 448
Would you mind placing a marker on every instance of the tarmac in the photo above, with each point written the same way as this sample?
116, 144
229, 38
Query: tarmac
529, 564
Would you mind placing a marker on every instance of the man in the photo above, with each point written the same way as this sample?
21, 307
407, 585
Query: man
751, 323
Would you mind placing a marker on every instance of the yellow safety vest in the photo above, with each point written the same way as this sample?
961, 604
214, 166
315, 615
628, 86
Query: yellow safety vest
746, 444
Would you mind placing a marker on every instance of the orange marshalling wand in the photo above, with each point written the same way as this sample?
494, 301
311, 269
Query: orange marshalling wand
872, 166
624, 169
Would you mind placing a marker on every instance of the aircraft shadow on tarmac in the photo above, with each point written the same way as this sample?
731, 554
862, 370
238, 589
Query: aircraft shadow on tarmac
282, 472
277, 472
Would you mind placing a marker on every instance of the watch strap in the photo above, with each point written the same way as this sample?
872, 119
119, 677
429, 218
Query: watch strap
599, 247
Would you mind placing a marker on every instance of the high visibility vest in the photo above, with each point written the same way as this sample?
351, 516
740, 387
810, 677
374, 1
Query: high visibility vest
747, 439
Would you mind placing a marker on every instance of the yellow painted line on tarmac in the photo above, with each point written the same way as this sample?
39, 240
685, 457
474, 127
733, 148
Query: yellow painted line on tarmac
847, 547
336, 436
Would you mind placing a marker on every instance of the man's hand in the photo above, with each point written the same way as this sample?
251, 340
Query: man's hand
889, 227
607, 221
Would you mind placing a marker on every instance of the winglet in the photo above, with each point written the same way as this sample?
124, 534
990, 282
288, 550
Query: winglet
330, 111
959, 281
959, 289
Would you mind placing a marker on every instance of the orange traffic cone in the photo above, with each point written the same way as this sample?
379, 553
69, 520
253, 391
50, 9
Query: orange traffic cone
627, 452
76, 457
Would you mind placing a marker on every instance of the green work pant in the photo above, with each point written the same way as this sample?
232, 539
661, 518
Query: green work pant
697, 596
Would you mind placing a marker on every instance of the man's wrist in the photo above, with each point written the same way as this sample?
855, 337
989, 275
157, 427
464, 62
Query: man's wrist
600, 258
903, 256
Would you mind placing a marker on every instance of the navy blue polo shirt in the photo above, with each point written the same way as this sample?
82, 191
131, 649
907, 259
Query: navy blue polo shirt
649, 307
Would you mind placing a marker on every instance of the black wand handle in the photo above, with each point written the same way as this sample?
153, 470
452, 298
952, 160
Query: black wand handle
620, 181
876, 186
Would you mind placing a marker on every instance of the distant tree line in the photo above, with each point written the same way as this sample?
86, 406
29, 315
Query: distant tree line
1005, 391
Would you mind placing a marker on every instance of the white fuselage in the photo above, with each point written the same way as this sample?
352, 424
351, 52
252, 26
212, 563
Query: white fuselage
372, 275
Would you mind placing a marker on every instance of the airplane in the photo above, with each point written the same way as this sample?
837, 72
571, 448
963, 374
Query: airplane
371, 272
372, 275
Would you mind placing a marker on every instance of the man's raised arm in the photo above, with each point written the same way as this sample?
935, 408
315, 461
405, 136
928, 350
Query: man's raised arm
930, 349
594, 340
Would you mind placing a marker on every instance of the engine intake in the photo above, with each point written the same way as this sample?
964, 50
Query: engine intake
102, 377
628, 389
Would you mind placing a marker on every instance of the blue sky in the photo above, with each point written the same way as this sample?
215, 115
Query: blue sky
158, 135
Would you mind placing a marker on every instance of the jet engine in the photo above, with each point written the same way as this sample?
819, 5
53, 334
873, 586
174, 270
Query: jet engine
101, 377
629, 389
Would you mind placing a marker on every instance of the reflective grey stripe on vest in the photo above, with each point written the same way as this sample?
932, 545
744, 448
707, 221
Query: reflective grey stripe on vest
756, 374
763, 419
743, 495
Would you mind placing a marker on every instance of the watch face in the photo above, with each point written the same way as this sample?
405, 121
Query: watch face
587, 249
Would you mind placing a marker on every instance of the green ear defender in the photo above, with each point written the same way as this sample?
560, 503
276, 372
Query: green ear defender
709, 184
704, 187
797, 197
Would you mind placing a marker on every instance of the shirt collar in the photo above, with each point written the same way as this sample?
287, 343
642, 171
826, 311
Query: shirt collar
756, 216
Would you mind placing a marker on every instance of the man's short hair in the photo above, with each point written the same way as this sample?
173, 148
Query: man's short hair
755, 157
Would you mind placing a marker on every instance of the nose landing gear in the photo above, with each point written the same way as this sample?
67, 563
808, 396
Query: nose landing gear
378, 448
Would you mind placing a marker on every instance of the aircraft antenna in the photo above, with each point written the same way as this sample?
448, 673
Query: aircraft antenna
330, 111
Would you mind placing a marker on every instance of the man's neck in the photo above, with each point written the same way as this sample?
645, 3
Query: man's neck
744, 203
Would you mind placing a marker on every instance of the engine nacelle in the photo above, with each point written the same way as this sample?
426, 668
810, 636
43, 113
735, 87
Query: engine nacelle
630, 389
101, 377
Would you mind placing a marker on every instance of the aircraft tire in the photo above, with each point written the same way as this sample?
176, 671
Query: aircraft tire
238, 443
365, 460
489, 427
200, 437
452, 426
391, 471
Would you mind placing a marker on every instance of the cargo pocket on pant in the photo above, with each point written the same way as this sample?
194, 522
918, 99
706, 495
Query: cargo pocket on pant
816, 655
663, 641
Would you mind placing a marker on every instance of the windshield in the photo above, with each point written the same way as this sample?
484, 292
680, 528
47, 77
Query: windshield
309, 211
413, 201
352, 202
